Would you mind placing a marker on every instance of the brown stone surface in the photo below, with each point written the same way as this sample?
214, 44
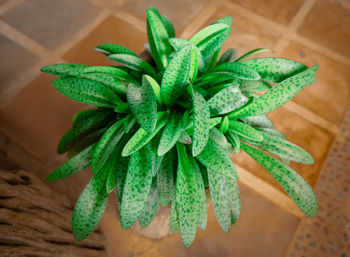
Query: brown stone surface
38, 117
50, 22
111, 30
310, 137
330, 94
277, 10
14, 59
328, 24
246, 34
267, 228
181, 12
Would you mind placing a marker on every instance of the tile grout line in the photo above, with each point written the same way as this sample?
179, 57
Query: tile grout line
81, 34
131, 20
200, 19
9, 5
268, 191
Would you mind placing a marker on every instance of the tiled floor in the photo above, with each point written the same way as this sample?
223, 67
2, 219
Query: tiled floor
33, 114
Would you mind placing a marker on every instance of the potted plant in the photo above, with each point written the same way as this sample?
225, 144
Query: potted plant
160, 132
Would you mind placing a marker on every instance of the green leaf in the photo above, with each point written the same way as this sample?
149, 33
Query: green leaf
143, 104
106, 145
112, 83
160, 36
235, 200
283, 148
64, 69
128, 123
121, 171
111, 181
84, 115
86, 91
228, 56
112, 164
221, 200
174, 217
155, 86
185, 138
90, 206
151, 207
142, 137
115, 72
157, 160
278, 95
245, 131
168, 26
201, 123
296, 187
275, 69
165, 179
133, 62
221, 140
252, 52
170, 135
176, 76
234, 140
224, 125
238, 70
137, 186
108, 49
226, 100
82, 129
75, 164
203, 209
187, 198
210, 39
215, 158
260, 121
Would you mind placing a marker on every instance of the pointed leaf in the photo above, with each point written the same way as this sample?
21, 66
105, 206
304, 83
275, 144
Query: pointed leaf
259, 121
151, 207
133, 62
174, 217
245, 131
64, 69
108, 49
252, 52
238, 70
278, 95
170, 135
84, 115
143, 104
86, 91
228, 56
297, 188
165, 179
275, 69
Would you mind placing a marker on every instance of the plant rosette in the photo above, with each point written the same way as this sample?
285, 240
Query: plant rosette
159, 133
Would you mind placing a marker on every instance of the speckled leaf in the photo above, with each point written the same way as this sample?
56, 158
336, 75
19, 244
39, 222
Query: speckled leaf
165, 179
168, 26
185, 138
228, 56
114, 84
174, 219
221, 200
235, 200
112, 164
64, 69
84, 115
137, 186
226, 101
142, 137
187, 198
116, 72
176, 76
234, 140
108, 49
245, 131
170, 135
111, 180
121, 171
283, 148
201, 123
155, 86
143, 104
216, 159
203, 209
238, 70
128, 123
75, 164
278, 95
106, 145
275, 69
133, 62
297, 188
156, 159
252, 52
260, 121
210, 39
151, 207
82, 129
159, 35
86, 91
90, 206
221, 140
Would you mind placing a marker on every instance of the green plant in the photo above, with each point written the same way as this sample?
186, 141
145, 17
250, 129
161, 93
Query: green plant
160, 132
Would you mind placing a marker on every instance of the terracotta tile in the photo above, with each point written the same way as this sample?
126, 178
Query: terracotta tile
51, 22
14, 61
263, 230
329, 96
38, 117
310, 137
328, 24
3, 1
246, 34
181, 12
276, 10
111, 30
